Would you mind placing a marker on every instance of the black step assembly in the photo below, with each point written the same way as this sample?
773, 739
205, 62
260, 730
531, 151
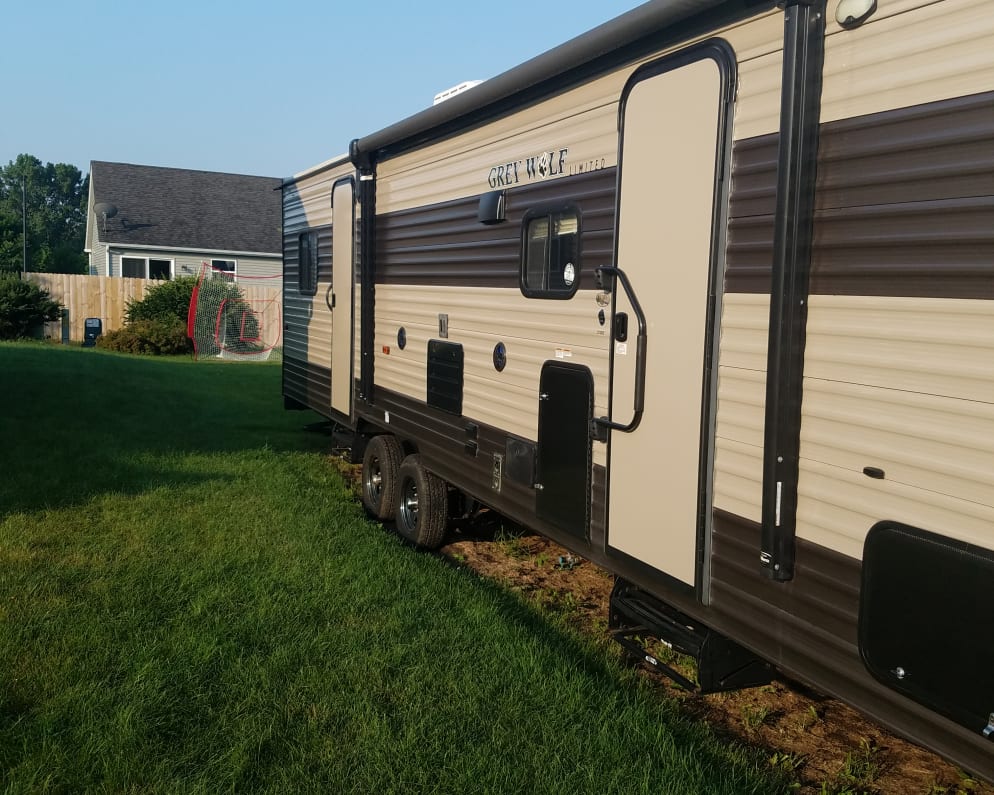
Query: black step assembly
721, 663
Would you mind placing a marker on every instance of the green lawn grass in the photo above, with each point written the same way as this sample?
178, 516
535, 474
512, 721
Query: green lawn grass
191, 601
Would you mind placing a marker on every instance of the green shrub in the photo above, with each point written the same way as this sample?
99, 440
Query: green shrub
162, 337
23, 307
166, 301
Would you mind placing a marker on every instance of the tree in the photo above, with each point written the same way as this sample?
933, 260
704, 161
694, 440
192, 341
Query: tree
24, 306
55, 201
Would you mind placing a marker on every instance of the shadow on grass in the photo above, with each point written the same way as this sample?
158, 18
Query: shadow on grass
76, 423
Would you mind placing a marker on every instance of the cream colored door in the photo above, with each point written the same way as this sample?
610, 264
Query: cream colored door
658, 475
342, 248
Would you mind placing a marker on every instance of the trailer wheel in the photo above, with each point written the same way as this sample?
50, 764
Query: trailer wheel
380, 466
422, 504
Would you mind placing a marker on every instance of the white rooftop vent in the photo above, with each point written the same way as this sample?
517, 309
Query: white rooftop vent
441, 96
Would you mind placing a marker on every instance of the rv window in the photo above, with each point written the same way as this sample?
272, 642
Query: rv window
307, 272
550, 265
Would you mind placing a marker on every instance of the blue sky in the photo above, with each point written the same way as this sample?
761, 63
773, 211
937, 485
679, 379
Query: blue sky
249, 87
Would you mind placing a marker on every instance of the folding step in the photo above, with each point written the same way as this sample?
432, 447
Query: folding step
722, 664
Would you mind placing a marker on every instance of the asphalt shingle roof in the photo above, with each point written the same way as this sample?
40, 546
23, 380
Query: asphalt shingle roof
179, 208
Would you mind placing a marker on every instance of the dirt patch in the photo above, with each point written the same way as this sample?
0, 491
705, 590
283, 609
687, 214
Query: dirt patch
825, 746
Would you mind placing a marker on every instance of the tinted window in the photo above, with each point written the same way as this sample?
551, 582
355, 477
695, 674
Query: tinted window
550, 260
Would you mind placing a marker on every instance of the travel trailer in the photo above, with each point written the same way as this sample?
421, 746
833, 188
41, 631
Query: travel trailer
705, 295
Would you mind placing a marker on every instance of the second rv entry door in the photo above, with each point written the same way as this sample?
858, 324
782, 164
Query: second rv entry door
343, 246
669, 140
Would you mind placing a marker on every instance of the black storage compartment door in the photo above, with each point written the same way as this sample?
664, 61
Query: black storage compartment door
926, 620
564, 414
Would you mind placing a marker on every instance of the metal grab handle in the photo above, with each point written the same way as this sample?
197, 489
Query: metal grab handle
329, 297
606, 422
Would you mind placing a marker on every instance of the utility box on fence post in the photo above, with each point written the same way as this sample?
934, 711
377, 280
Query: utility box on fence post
93, 327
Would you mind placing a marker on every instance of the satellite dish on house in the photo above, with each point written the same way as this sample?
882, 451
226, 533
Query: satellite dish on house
105, 209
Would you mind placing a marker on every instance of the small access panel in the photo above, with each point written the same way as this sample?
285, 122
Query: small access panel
565, 409
445, 376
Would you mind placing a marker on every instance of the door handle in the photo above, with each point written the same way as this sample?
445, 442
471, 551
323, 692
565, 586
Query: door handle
605, 276
329, 297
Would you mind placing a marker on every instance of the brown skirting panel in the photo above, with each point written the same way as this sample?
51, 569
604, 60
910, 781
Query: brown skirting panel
441, 439
445, 244
808, 628
308, 384
904, 205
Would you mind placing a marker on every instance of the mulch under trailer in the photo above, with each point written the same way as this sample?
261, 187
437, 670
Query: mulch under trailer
705, 295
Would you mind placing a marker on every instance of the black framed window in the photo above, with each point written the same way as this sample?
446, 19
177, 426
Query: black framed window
307, 269
550, 255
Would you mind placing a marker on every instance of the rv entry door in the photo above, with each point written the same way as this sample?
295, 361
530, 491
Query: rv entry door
340, 298
659, 474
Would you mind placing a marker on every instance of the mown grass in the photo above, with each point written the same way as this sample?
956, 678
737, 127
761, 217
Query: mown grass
190, 601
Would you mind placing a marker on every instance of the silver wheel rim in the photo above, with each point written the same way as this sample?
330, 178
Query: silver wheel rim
374, 480
409, 504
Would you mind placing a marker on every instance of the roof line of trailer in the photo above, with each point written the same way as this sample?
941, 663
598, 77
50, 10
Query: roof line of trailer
640, 24
338, 160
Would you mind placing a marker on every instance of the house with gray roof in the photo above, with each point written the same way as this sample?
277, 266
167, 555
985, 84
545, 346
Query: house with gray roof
160, 223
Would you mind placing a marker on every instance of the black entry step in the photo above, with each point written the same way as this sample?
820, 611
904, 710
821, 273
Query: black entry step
722, 664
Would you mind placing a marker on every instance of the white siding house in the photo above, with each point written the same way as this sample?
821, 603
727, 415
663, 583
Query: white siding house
161, 223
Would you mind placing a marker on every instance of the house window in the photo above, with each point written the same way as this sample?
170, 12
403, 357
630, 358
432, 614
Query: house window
224, 269
160, 269
146, 268
133, 267
307, 272
550, 258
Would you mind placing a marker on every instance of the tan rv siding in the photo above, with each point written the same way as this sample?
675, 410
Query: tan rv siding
308, 333
583, 120
903, 385
307, 340
479, 318
938, 51
837, 506
939, 347
738, 467
307, 202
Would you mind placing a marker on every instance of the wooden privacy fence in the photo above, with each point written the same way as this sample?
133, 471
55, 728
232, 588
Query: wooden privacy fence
106, 297
84, 296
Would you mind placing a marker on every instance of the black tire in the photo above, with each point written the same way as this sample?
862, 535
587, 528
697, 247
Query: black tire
422, 504
380, 467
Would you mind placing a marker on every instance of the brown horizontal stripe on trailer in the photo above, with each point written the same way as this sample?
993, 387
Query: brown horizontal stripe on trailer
808, 628
904, 205
942, 150
927, 249
307, 383
445, 244
441, 438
